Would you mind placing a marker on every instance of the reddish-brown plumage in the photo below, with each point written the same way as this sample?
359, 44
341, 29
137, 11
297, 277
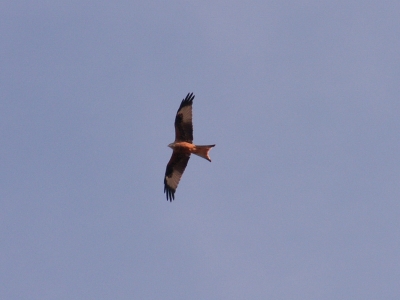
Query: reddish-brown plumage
188, 148
182, 147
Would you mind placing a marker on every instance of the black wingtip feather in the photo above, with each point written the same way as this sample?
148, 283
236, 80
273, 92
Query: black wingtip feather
170, 193
187, 101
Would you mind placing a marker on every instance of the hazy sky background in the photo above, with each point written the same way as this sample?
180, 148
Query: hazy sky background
301, 200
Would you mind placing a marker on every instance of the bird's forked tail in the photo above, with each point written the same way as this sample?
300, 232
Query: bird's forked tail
203, 150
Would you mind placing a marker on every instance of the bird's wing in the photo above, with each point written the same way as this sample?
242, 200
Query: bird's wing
183, 120
175, 168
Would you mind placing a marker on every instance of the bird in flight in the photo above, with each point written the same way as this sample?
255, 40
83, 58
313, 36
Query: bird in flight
182, 147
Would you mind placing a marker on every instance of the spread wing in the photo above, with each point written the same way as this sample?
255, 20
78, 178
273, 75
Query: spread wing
183, 120
173, 173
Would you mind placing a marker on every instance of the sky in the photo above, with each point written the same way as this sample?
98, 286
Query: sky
301, 199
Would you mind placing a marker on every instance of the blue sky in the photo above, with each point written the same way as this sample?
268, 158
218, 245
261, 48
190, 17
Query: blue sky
301, 200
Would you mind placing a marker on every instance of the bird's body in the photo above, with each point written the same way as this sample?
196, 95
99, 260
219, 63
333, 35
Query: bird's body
188, 148
182, 147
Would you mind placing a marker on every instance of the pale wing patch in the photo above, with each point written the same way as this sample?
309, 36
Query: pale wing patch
186, 112
173, 181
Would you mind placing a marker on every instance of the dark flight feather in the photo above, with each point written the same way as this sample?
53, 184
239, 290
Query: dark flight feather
173, 173
183, 120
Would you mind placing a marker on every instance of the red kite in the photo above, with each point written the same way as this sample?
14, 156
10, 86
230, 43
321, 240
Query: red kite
182, 147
